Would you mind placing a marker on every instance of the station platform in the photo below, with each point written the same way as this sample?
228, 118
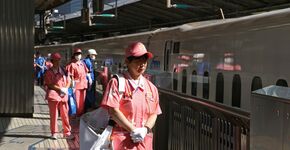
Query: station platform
34, 133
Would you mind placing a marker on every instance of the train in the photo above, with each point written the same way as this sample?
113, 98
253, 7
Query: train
221, 61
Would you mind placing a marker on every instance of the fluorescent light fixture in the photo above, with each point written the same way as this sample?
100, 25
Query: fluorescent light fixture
57, 27
182, 6
105, 15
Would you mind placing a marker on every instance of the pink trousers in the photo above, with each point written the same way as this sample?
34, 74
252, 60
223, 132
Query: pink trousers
80, 99
54, 106
124, 141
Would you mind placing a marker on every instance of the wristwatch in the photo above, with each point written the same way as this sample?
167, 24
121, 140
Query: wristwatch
148, 129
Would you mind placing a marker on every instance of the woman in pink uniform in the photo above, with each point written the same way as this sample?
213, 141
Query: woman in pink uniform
57, 84
134, 111
78, 71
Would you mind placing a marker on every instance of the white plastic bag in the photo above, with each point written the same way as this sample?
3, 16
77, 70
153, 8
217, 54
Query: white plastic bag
93, 128
103, 142
97, 119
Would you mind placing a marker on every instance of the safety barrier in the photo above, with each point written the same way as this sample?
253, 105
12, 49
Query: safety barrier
188, 123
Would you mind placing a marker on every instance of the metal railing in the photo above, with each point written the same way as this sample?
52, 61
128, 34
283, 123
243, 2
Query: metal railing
188, 123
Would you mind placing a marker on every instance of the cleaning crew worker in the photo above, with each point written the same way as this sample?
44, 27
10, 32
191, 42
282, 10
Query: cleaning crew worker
135, 110
40, 68
57, 84
91, 94
78, 72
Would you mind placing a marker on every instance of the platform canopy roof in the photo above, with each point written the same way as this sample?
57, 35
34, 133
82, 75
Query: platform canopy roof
145, 15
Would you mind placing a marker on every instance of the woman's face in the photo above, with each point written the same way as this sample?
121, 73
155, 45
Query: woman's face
137, 67
78, 56
56, 63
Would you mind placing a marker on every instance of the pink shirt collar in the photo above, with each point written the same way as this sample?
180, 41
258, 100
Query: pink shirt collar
140, 84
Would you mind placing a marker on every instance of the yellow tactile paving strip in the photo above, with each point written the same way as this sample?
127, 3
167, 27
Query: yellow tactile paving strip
33, 133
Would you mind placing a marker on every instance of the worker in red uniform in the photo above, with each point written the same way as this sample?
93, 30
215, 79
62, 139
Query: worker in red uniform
57, 84
134, 111
79, 73
103, 77
48, 63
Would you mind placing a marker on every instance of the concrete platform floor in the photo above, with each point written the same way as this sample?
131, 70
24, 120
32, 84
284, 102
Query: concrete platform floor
34, 133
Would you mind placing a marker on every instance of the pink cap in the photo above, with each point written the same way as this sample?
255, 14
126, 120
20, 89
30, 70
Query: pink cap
137, 49
77, 50
55, 56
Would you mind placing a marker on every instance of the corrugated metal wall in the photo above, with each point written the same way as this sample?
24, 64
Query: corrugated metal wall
16, 57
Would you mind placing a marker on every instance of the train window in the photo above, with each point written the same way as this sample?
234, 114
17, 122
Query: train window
205, 91
282, 82
119, 68
176, 47
184, 79
175, 81
193, 83
167, 51
256, 83
219, 97
236, 91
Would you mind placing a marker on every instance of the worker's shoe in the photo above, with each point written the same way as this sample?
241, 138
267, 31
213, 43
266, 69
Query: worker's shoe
69, 137
54, 137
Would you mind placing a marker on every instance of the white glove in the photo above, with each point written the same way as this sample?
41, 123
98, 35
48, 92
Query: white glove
73, 84
89, 79
138, 134
64, 91
136, 139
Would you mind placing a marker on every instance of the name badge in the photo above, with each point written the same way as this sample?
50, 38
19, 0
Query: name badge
149, 96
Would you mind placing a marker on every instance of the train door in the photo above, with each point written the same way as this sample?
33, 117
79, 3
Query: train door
172, 47
167, 51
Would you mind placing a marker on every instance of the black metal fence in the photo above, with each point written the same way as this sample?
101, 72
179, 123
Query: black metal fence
188, 123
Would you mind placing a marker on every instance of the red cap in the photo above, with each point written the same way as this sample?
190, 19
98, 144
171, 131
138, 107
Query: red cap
55, 56
137, 49
77, 50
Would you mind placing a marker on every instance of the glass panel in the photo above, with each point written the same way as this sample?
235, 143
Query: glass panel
184, 79
205, 91
282, 82
236, 93
219, 88
193, 83
175, 81
256, 83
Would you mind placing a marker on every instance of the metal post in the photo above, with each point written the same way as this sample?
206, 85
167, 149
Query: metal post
222, 13
168, 4
116, 8
64, 23
41, 20
85, 3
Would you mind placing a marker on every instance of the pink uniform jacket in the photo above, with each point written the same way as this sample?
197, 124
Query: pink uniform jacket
56, 101
57, 78
137, 103
78, 71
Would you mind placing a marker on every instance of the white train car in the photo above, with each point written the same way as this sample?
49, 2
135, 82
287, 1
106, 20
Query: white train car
221, 60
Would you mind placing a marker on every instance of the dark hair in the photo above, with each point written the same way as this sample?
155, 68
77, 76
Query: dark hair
131, 58
77, 53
